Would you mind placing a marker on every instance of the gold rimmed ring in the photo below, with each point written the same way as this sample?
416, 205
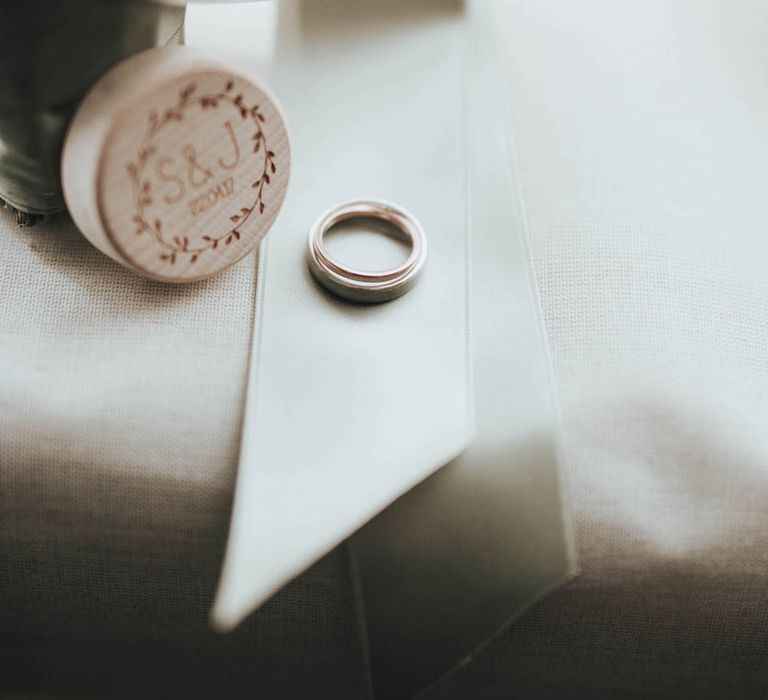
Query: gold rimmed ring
358, 285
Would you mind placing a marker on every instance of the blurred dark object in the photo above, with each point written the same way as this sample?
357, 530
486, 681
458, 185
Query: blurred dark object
50, 54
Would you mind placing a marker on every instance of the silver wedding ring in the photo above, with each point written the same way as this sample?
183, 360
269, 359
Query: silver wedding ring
359, 285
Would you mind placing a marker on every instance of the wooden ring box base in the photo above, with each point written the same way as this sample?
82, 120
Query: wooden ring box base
176, 164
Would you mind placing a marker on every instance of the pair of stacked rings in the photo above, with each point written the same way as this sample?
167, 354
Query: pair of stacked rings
359, 285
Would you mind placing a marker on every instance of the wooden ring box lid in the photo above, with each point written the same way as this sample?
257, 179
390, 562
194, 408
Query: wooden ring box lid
176, 164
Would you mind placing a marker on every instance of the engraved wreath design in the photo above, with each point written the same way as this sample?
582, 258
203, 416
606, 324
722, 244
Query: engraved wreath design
142, 189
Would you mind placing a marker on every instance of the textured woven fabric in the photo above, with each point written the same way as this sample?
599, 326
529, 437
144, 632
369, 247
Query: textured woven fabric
120, 404
642, 144
643, 154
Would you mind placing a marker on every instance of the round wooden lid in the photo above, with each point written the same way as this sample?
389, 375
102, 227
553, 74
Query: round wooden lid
189, 169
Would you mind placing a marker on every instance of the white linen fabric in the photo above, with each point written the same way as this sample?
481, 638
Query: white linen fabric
120, 410
643, 154
642, 143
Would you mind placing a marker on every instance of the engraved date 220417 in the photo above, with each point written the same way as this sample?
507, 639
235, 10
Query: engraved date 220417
185, 175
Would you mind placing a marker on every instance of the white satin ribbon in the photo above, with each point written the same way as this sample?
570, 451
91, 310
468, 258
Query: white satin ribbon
349, 407
448, 565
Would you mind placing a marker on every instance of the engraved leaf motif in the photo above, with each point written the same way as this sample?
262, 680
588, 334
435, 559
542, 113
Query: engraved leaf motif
158, 120
186, 93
